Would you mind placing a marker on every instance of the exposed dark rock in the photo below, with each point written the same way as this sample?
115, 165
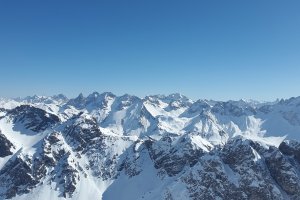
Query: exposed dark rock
291, 148
283, 172
172, 158
33, 118
17, 176
5, 146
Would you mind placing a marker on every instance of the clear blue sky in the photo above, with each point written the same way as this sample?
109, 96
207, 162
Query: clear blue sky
203, 49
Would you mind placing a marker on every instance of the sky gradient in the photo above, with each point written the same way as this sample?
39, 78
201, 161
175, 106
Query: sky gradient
203, 49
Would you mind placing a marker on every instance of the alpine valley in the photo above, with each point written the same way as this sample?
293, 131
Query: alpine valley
159, 147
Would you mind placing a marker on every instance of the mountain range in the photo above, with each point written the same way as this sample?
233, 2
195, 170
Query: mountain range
165, 147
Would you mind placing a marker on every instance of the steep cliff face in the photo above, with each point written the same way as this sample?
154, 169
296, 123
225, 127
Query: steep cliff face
160, 147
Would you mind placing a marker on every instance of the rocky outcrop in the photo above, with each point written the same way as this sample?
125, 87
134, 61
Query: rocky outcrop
5, 146
16, 177
33, 118
173, 156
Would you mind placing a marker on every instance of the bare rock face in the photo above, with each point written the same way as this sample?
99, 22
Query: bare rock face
245, 158
244, 169
16, 177
284, 173
173, 157
284, 163
291, 148
5, 146
33, 118
208, 180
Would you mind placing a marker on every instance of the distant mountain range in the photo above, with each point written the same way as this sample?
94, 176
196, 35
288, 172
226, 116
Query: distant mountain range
112, 147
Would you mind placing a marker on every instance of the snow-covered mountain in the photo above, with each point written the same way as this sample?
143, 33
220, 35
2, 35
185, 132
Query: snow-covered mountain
111, 147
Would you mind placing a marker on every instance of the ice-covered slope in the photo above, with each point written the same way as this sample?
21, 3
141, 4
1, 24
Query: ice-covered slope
105, 146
